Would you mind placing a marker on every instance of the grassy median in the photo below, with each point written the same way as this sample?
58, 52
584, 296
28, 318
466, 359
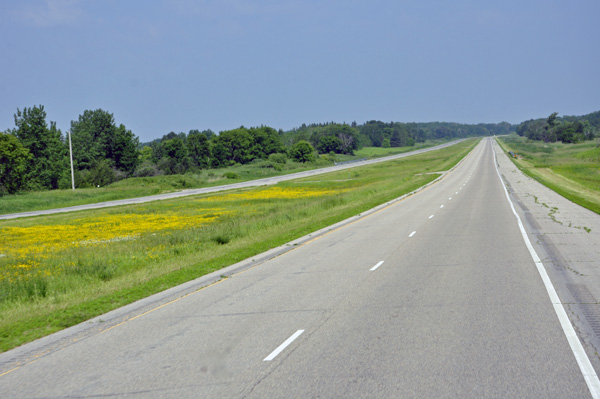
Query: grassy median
145, 186
59, 270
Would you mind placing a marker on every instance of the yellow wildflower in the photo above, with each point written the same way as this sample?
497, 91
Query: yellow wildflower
274, 193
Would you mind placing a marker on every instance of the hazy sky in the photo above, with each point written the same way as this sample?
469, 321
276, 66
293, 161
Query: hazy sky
162, 66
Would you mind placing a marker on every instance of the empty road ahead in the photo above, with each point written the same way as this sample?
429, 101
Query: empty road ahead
435, 296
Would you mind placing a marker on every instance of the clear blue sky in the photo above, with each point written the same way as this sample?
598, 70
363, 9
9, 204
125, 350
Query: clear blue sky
162, 66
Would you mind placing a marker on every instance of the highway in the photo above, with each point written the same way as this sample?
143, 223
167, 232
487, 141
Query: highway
434, 296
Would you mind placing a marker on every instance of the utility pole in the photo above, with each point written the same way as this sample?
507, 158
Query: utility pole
71, 156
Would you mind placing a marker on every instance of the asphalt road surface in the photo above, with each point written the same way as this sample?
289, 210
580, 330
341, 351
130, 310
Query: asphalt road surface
434, 296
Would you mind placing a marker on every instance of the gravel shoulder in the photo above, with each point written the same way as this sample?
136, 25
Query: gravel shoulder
566, 236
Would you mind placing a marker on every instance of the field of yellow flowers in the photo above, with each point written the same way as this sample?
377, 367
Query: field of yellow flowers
56, 271
33, 256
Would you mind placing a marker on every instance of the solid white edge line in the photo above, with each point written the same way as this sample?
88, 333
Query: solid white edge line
589, 374
283, 346
376, 266
412, 234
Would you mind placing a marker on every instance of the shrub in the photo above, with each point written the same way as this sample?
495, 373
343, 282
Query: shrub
231, 175
302, 151
278, 158
147, 169
102, 174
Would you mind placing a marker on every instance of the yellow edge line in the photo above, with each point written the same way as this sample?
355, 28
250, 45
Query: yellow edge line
162, 306
6, 372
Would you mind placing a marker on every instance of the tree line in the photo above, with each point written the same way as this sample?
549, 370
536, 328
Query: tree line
567, 129
394, 134
34, 155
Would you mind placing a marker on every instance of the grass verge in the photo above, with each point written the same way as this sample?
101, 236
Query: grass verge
59, 270
572, 170
145, 186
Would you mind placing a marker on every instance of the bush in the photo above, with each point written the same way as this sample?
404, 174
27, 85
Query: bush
302, 151
65, 181
167, 165
231, 175
147, 169
82, 178
278, 158
102, 174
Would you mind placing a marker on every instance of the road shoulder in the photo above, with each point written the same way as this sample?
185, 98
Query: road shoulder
567, 238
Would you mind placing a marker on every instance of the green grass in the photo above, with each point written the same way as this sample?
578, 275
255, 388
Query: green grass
145, 186
572, 170
377, 152
43, 293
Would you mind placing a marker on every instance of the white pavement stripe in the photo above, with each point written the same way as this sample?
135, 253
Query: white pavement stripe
589, 374
430, 216
376, 266
442, 206
412, 234
283, 346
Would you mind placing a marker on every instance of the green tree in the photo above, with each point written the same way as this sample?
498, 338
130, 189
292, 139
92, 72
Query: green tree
375, 131
89, 134
535, 129
589, 132
175, 156
549, 132
96, 137
123, 150
49, 153
302, 151
208, 133
265, 141
570, 132
198, 149
219, 155
551, 121
145, 153
329, 144
348, 137
400, 137
14, 159
549, 135
175, 149
102, 174
233, 147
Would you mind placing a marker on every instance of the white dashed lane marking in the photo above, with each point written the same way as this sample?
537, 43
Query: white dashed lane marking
376, 266
281, 347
